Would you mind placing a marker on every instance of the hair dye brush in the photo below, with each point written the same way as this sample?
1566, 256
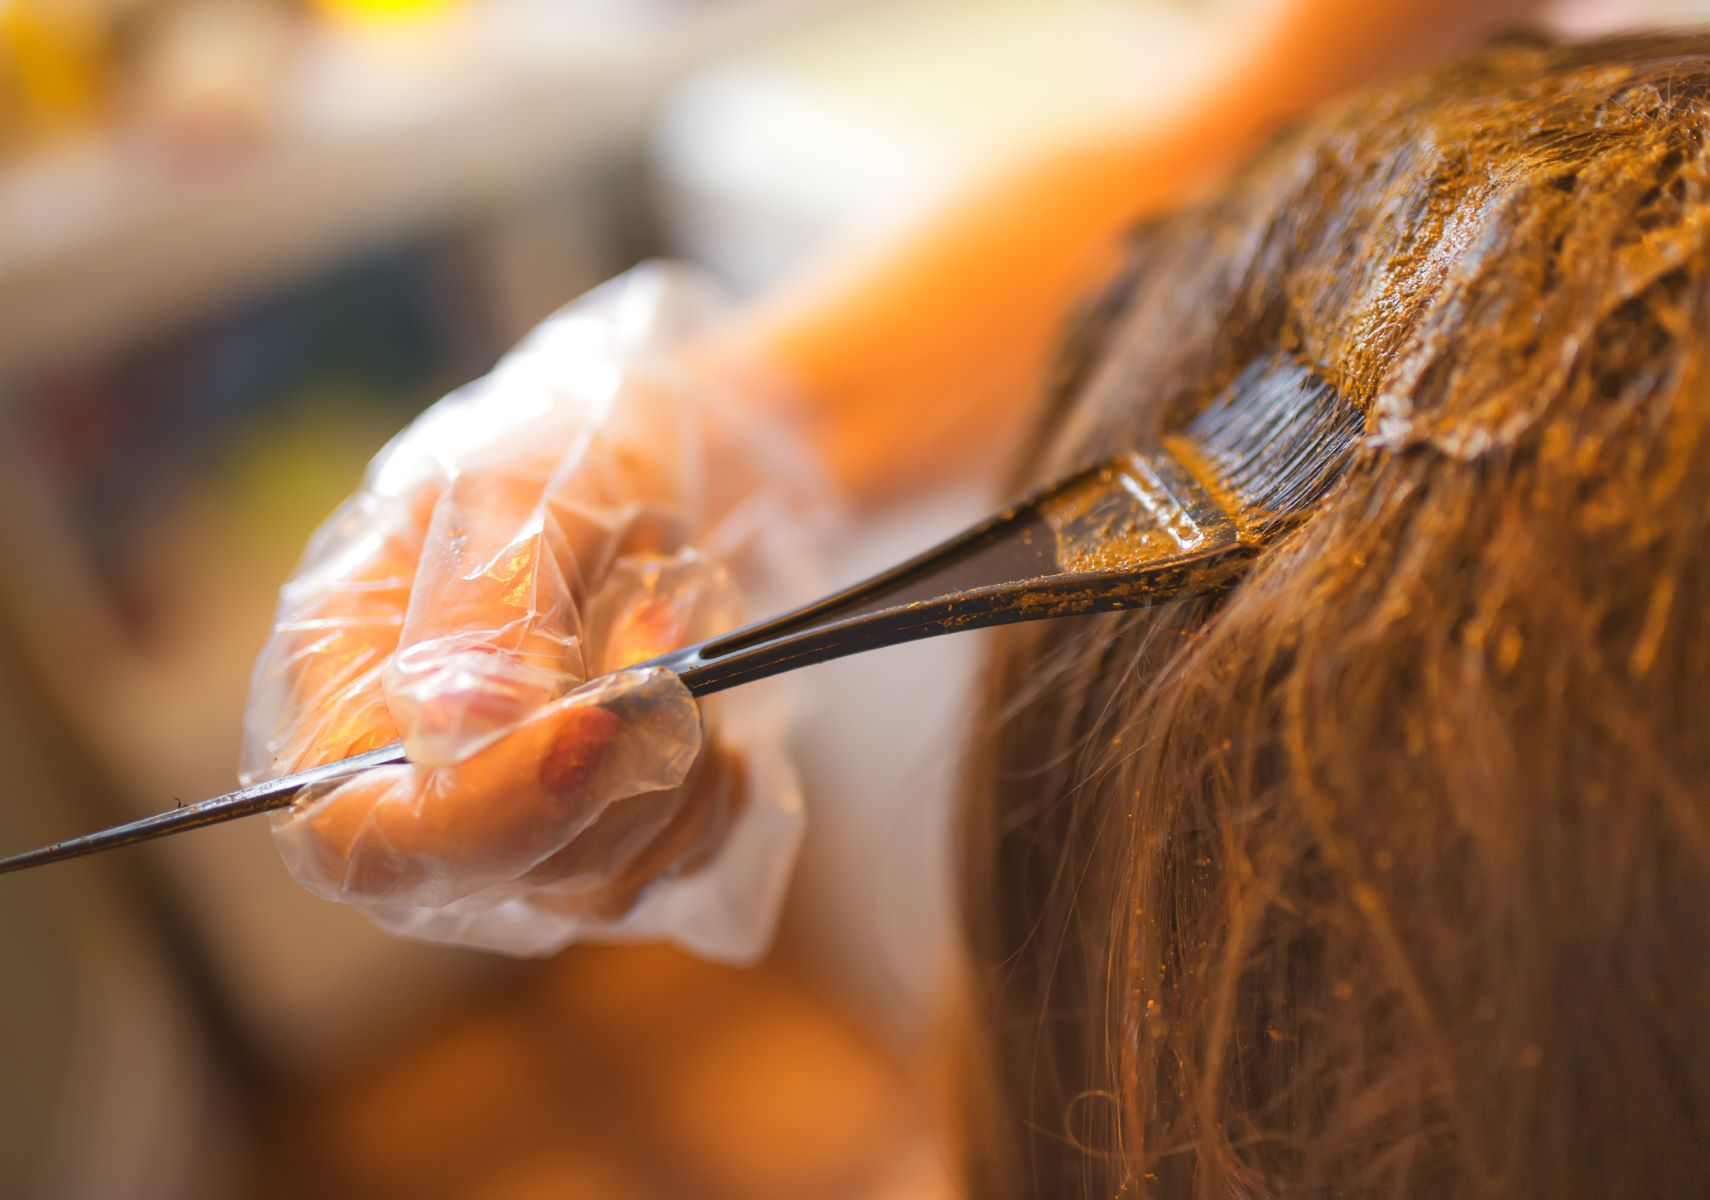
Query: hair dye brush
1181, 518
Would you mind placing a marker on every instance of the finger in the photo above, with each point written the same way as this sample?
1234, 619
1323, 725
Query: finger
493, 629
317, 690
638, 842
631, 484
496, 619
427, 836
650, 604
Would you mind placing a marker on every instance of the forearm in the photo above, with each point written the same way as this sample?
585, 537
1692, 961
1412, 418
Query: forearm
921, 348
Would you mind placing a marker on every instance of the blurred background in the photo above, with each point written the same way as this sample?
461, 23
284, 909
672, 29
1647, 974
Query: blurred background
243, 241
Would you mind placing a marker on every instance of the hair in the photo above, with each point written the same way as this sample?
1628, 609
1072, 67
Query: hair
1386, 872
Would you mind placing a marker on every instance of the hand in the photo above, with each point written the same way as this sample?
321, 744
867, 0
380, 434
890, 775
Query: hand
584, 508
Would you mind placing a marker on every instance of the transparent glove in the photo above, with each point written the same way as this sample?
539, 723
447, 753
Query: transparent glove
590, 504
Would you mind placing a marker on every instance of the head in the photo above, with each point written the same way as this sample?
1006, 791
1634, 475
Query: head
1388, 871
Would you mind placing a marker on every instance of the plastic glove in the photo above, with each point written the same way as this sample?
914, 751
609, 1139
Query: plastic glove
584, 508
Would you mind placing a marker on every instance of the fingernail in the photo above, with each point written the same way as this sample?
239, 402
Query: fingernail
585, 736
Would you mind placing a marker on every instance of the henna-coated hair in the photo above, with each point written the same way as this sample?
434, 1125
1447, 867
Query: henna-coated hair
1386, 872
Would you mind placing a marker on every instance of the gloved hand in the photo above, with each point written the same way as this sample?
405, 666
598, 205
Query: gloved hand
587, 506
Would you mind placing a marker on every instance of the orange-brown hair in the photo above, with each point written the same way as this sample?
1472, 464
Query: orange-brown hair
1388, 872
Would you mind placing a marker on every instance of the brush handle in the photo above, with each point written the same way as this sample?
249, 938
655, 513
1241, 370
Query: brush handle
1142, 514
884, 612
245, 802
1001, 571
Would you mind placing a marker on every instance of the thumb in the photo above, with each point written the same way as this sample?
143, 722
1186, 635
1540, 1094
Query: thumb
429, 836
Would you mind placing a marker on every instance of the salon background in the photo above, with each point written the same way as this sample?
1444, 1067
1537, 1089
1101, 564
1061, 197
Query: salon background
241, 241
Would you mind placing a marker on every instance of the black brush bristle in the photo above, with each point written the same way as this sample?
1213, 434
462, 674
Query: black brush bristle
1272, 442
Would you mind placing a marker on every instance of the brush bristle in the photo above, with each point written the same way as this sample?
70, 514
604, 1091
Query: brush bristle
1272, 442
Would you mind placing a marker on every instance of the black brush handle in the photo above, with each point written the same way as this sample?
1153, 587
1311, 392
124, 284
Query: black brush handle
1001, 571
245, 802
808, 637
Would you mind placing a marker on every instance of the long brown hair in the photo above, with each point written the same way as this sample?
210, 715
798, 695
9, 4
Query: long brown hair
1387, 872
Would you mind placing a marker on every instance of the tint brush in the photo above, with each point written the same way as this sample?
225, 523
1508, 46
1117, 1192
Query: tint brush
1182, 518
